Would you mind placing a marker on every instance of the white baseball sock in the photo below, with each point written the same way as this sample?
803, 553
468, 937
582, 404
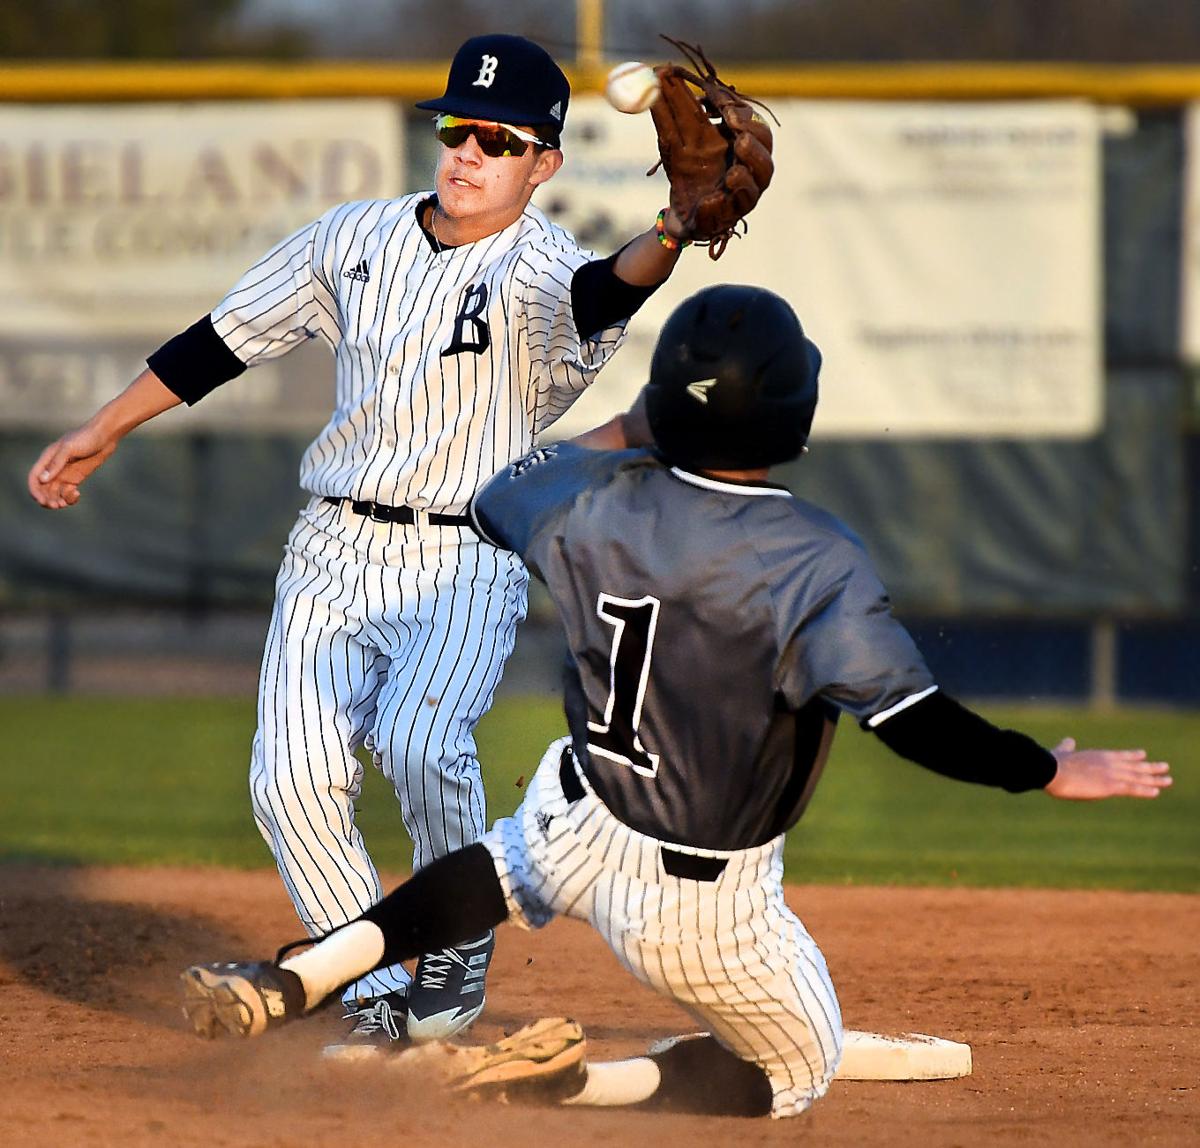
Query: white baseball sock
346, 953
615, 1083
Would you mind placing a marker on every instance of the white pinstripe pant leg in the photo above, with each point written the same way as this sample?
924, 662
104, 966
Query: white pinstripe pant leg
729, 951
447, 623
317, 684
746, 969
388, 636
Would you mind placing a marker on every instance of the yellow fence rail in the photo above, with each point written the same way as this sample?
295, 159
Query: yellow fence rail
1136, 86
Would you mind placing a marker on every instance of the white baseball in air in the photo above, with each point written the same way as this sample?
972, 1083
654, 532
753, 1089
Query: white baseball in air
631, 87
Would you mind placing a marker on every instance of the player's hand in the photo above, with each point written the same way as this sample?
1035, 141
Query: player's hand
54, 479
1092, 774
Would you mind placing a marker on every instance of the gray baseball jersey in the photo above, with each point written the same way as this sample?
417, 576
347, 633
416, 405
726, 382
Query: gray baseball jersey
713, 626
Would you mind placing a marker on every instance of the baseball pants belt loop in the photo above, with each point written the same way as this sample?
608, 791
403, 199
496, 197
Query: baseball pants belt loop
402, 515
691, 866
568, 778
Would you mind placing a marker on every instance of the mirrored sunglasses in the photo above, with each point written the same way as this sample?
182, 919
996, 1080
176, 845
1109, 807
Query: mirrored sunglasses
494, 140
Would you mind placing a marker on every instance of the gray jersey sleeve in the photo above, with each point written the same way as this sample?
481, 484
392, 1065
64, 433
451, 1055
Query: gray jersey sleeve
843, 642
518, 507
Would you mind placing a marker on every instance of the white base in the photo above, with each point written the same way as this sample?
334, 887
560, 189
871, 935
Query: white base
908, 1056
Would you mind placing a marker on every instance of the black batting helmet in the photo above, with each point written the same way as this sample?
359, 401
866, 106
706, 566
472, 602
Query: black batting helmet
733, 381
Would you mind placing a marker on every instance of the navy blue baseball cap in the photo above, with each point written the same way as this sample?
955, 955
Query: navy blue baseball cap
509, 80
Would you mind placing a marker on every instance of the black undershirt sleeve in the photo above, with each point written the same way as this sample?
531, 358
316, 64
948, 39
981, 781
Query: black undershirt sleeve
600, 297
946, 737
195, 362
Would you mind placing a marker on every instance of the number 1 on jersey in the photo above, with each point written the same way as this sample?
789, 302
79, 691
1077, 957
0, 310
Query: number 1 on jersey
633, 622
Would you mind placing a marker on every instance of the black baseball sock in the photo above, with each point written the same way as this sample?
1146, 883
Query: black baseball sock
702, 1077
455, 898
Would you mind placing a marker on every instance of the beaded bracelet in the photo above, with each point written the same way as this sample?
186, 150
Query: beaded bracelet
660, 231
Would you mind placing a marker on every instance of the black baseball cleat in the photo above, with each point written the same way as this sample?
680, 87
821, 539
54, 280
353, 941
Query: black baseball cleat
241, 998
447, 993
378, 1028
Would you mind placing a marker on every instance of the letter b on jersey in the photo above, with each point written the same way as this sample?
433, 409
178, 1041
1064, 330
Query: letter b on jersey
468, 321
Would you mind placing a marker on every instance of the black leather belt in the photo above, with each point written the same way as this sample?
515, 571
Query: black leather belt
403, 515
689, 866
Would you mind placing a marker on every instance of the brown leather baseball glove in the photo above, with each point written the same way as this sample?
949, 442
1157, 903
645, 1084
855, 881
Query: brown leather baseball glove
714, 147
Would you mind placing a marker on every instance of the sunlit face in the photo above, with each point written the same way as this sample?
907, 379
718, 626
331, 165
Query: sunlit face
474, 188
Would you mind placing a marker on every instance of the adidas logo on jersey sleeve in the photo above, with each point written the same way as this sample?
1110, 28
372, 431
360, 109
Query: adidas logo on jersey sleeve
359, 271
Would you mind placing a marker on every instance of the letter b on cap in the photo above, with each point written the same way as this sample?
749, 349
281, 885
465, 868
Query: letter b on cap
487, 72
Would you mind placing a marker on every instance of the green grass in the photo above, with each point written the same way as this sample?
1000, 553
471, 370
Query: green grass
101, 780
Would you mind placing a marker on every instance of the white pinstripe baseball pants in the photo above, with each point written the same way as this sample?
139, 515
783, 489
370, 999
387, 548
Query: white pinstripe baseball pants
390, 637
729, 951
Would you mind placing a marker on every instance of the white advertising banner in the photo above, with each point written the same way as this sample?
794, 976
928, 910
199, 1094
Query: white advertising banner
945, 257
121, 225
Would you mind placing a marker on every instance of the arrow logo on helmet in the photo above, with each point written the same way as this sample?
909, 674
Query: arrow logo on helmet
699, 389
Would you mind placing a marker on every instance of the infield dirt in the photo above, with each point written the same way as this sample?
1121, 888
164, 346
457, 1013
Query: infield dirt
1081, 1009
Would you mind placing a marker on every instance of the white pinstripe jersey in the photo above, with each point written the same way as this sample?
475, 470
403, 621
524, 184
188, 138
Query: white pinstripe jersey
448, 362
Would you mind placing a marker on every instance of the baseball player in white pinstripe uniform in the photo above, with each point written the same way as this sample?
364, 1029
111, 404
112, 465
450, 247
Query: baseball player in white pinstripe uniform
463, 322
716, 626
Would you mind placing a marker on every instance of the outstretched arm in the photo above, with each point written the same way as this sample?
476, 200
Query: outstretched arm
55, 478
944, 736
608, 291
